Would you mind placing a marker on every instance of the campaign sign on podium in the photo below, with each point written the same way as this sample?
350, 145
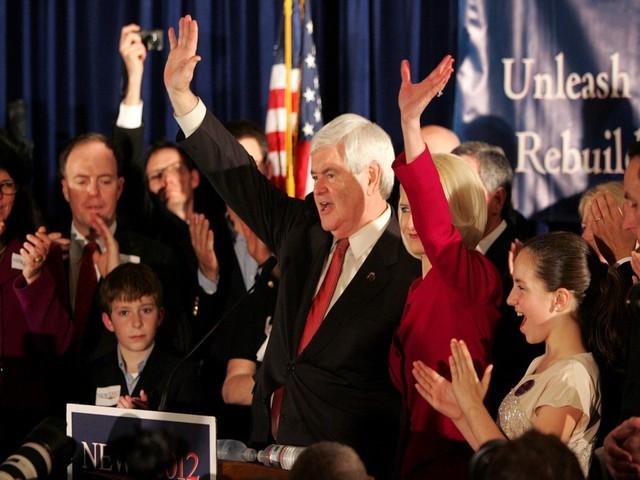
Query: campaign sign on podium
108, 438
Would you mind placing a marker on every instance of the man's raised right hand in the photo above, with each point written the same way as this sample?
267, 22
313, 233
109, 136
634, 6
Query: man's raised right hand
181, 63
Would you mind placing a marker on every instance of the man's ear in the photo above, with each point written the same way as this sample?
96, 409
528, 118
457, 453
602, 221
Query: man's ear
106, 321
374, 172
161, 313
65, 189
195, 178
120, 186
498, 199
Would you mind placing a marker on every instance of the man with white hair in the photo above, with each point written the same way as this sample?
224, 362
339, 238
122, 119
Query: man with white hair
345, 273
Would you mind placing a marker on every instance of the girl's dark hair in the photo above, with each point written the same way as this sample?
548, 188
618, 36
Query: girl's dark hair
565, 260
23, 216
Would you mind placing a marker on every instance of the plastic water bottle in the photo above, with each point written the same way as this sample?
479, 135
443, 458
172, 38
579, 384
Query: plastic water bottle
234, 450
281, 456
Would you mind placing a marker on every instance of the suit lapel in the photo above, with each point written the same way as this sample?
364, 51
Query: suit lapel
369, 281
150, 377
319, 246
125, 241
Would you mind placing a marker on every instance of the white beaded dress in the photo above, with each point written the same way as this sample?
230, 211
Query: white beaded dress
570, 382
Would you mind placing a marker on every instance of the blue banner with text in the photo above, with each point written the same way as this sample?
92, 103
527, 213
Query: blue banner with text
554, 82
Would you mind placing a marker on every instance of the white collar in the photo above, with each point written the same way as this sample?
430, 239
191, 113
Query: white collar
363, 240
485, 244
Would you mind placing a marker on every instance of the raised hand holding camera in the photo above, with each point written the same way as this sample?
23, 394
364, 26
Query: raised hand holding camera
133, 53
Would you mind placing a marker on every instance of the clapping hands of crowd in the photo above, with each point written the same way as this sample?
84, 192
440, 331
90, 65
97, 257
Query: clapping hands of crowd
202, 242
604, 218
34, 252
622, 450
128, 401
109, 257
514, 249
463, 393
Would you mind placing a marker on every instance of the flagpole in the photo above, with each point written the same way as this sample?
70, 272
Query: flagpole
288, 61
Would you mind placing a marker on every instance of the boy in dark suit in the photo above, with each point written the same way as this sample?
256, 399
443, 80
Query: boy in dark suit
135, 373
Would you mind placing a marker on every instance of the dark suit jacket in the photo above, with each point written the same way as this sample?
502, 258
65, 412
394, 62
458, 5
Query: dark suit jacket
183, 396
630, 392
338, 388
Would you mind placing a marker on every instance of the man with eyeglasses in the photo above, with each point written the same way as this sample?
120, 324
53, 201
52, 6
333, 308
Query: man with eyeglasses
169, 176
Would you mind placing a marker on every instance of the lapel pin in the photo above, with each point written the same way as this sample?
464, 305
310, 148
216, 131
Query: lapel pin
524, 388
371, 276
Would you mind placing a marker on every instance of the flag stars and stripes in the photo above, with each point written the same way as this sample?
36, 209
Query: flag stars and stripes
307, 129
309, 95
306, 106
310, 60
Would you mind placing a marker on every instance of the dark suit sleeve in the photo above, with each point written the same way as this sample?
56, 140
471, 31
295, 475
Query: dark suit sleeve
134, 205
233, 173
129, 144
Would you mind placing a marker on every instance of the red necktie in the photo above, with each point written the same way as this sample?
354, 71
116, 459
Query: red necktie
322, 299
86, 288
318, 309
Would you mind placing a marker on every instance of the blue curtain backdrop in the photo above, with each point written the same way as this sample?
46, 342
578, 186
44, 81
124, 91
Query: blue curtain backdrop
61, 57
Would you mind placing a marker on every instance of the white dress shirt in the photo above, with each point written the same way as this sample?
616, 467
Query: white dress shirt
360, 245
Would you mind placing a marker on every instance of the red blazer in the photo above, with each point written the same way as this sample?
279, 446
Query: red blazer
458, 298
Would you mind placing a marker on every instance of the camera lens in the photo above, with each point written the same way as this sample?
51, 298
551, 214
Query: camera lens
46, 446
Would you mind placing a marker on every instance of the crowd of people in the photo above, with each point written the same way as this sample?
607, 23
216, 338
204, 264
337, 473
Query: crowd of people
413, 333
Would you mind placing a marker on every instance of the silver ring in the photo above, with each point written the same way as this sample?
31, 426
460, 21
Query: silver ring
440, 93
38, 259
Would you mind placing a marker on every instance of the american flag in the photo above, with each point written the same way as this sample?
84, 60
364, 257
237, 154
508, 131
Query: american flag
305, 101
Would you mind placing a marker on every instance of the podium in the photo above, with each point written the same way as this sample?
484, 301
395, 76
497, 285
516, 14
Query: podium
98, 429
249, 471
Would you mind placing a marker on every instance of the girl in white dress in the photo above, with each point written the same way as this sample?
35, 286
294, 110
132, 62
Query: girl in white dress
569, 301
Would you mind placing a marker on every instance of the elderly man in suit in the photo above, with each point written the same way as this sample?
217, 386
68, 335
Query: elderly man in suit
345, 273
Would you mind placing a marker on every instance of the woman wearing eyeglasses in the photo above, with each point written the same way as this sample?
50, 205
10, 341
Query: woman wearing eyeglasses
35, 329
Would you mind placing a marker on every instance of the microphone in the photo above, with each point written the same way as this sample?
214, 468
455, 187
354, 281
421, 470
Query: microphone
266, 269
